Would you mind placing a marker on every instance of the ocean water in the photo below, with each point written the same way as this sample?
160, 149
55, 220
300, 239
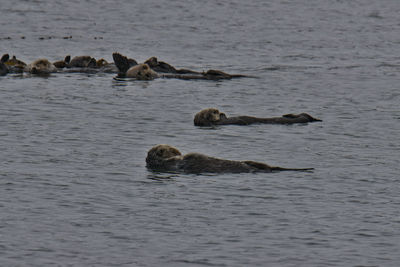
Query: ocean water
74, 188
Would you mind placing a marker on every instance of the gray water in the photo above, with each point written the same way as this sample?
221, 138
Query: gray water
74, 189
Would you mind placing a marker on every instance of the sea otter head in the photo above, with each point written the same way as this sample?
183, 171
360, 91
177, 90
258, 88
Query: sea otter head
41, 66
158, 155
101, 62
141, 72
208, 117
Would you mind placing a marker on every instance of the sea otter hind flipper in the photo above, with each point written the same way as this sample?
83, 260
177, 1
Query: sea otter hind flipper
4, 58
123, 63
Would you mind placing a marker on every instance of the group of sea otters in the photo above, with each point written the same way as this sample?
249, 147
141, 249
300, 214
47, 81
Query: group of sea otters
165, 158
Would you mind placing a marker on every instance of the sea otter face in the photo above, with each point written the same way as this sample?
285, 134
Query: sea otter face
141, 72
41, 66
163, 152
208, 117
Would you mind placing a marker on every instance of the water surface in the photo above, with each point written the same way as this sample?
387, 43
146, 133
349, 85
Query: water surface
74, 189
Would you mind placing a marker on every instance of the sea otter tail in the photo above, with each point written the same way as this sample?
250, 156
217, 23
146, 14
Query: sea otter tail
306, 116
264, 167
277, 169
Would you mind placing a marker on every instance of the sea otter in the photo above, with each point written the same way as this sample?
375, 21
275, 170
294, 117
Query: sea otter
82, 62
168, 71
212, 116
62, 63
41, 66
14, 65
168, 159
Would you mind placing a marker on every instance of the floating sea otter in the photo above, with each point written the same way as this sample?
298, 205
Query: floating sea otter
41, 66
129, 68
149, 69
169, 159
212, 116
13, 65
62, 63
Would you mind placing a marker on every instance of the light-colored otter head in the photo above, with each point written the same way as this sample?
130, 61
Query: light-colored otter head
41, 66
208, 116
141, 72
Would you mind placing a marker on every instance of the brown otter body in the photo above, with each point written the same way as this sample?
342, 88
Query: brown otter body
212, 116
82, 62
163, 67
169, 159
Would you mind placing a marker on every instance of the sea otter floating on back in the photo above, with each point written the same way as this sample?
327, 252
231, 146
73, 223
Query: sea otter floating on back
40, 66
152, 68
212, 116
166, 158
